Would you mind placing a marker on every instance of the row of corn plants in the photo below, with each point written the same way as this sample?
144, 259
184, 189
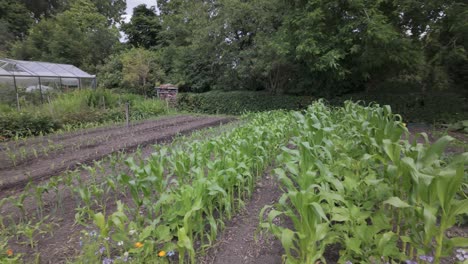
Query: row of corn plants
353, 180
34, 212
180, 197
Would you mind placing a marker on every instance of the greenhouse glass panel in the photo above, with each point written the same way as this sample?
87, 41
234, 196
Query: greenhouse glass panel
29, 90
7, 91
87, 83
50, 87
37, 81
70, 84
59, 70
37, 68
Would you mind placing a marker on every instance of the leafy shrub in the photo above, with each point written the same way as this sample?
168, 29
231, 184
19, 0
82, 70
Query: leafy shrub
26, 124
75, 109
146, 108
238, 102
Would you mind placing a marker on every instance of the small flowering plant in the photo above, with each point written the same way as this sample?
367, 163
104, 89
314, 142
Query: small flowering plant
7, 254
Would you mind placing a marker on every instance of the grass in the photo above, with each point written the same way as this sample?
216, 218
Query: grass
76, 110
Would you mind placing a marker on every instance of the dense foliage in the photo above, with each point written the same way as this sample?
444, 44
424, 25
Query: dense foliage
239, 102
349, 179
312, 47
78, 109
414, 107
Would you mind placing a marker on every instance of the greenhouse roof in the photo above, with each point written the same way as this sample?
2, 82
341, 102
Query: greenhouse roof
9, 67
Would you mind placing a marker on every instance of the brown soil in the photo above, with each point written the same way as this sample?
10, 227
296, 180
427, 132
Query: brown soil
61, 244
435, 133
241, 241
96, 144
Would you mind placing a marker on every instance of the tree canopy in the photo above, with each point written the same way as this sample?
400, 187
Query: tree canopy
314, 47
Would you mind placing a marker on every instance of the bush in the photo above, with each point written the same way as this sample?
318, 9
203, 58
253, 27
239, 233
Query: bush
26, 124
76, 109
238, 102
143, 109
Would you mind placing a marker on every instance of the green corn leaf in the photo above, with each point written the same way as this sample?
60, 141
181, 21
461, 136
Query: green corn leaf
319, 210
461, 242
287, 240
436, 150
460, 207
397, 202
100, 222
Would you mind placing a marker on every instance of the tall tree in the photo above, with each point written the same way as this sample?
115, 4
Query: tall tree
79, 36
44, 8
15, 21
144, 28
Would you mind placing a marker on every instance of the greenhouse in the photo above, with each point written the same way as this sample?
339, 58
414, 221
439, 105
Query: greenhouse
35, 82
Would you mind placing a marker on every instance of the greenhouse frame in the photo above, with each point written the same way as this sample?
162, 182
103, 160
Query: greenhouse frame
35, 82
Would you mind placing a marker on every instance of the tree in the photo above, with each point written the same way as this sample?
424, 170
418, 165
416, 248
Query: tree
79, 36
140, 69
15, 21
144, 28
44, 8
113, 10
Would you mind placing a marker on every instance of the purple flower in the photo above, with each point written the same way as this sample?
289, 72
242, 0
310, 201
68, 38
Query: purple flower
411, 262
460, 257
170, 253
348, 262
107, 261
102, 249
429, 259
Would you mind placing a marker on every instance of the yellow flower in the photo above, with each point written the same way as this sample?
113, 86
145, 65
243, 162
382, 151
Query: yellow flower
9, 252
138, 244
162, 253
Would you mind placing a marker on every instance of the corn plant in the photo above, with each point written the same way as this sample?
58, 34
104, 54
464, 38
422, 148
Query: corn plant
352, 164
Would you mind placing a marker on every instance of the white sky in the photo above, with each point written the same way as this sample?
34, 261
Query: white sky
133, 3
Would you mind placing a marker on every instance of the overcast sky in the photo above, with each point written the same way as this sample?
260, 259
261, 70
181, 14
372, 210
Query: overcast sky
133, 3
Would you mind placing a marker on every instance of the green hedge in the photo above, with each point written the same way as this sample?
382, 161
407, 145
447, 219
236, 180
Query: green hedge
26, 124
414, 107
238, 102
417, 107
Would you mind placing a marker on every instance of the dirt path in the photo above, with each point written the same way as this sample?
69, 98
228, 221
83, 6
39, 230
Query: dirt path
16, 153
237, 244
104, 143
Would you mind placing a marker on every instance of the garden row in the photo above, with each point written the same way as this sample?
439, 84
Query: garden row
350, 181
78, 109
177, 200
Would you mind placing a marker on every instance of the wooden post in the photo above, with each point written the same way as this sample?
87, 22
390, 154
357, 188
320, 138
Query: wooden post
17, 102
127, 114
17, 95
40, 89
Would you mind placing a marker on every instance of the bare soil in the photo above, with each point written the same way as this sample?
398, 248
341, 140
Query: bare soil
241, 241
82, 148
62, 242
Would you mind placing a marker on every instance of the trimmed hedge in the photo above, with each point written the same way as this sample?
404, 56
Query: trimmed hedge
414, 107
238, 102
417, 107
